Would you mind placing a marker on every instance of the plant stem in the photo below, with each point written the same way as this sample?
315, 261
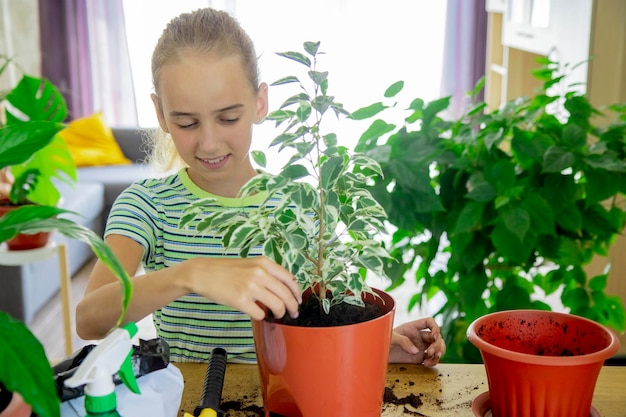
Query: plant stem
322, 227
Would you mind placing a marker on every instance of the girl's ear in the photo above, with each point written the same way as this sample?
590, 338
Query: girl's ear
159, 112
261, 103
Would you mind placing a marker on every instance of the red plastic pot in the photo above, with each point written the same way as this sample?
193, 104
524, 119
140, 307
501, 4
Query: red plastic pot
325, 371
23, 241
541, 363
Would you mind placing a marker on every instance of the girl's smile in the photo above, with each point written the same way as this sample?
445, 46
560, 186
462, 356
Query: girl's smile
215, 163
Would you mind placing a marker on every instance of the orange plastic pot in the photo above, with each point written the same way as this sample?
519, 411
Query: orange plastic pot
541, 363
325, 371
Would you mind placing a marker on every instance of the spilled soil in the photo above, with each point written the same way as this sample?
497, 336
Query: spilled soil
402, 396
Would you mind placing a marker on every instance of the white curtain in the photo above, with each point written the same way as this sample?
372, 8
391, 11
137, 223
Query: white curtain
464, 51
112, 77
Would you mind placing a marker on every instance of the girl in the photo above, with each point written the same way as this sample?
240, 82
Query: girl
207, 98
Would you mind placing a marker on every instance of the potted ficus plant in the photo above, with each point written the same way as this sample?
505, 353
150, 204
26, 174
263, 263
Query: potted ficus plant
498, 210
320, 229
24, 368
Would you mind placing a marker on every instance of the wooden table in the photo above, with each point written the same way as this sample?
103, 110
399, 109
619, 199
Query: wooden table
447, 390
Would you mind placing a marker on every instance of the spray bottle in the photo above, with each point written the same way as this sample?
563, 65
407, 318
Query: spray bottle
113, 355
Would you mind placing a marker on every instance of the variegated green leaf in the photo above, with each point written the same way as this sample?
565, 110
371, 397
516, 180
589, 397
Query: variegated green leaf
296, 56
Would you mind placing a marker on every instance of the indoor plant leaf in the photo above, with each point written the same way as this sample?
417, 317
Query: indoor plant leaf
19, 141
557, 159
35, 99
33, 379
52, 161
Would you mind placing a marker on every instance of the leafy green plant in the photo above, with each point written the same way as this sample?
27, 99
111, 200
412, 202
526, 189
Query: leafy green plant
320, 227
24, 367
497, 210
36, 99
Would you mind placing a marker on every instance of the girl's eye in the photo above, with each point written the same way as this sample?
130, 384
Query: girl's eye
230, 120
187, 126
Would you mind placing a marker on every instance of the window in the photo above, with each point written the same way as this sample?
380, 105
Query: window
369, 44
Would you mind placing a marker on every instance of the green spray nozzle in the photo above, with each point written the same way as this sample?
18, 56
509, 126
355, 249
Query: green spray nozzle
112, 355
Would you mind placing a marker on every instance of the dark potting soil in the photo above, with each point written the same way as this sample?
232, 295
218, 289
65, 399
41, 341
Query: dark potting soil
411, 399
312, 315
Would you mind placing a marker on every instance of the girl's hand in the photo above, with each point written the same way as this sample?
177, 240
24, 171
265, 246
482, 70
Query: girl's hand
247, 285
418, 341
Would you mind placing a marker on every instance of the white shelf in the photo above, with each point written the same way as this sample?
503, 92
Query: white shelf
20, 257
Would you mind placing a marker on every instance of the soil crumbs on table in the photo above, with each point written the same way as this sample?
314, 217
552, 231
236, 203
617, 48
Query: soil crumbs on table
401, 398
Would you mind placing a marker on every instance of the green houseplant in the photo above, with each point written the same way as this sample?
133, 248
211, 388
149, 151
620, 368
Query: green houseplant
24, 368
36, 99
495, 208
320, 230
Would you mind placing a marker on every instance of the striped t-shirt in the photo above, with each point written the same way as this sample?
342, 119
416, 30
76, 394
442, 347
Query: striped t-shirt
149, 212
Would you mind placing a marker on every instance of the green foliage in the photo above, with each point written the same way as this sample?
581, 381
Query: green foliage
320, 230
37, 100
16, 374
19, 141
30, 147
23, 373
496, 207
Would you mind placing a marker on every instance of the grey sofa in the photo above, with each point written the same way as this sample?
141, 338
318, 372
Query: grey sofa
25, 289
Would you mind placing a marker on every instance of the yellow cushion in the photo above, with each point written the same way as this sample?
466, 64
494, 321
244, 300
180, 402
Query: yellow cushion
91, 142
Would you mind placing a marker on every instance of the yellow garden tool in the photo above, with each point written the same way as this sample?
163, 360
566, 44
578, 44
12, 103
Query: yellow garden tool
213, 384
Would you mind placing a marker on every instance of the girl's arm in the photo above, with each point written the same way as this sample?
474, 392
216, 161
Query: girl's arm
239, 283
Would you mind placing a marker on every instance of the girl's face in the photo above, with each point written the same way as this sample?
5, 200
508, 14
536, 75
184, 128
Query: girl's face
208, 106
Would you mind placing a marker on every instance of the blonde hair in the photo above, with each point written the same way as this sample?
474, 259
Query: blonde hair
202, 31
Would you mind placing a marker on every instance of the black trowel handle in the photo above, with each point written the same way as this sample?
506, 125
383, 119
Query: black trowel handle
213, 382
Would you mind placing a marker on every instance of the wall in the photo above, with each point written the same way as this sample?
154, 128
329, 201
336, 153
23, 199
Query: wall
19, 39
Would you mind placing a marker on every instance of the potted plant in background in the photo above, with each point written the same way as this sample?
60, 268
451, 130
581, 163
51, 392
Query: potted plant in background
24, 368
320, 230
494, 208
33, 100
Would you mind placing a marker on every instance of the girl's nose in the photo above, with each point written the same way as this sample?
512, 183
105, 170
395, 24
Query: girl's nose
207, 138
